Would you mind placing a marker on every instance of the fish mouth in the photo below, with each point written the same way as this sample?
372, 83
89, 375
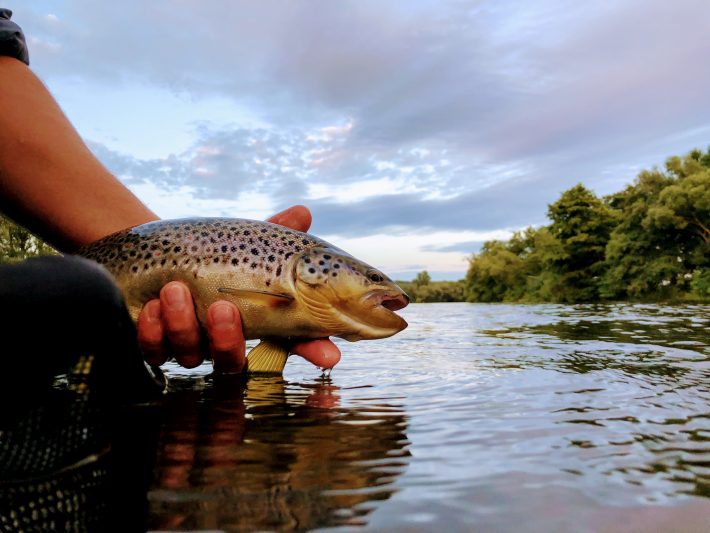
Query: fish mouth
381, 316
393, 302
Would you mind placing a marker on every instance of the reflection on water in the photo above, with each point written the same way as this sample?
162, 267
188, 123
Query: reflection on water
273, 455
477, 417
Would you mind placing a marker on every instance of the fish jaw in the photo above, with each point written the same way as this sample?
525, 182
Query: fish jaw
376, 317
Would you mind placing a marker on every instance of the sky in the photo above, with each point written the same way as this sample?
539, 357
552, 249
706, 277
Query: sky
414, 131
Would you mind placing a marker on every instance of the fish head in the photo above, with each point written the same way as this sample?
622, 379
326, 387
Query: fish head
350, 297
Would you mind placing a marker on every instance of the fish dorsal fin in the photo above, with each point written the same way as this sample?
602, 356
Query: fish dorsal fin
255, 293
267, 357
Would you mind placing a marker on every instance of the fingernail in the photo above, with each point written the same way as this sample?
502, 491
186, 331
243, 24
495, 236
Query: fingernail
175, 297
153, 311
222, 314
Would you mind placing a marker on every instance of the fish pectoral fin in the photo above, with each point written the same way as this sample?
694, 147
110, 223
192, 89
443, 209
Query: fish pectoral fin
267, 357
253, 293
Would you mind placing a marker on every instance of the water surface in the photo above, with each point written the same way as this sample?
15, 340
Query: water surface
485, 417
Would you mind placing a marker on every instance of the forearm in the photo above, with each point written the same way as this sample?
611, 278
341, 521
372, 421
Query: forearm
50, 182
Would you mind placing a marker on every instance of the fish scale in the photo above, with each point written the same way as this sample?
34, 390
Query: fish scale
287, 284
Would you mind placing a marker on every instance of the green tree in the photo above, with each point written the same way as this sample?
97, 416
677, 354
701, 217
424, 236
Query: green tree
423, 278
662, 241
495, 274
581, 223
17, 244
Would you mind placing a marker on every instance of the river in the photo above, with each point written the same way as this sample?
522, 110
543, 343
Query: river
536, 418
477, 417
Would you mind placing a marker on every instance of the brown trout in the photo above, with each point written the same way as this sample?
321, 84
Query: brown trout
288, 285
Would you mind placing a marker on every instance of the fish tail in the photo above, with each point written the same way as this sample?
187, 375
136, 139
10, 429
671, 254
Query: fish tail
267, 357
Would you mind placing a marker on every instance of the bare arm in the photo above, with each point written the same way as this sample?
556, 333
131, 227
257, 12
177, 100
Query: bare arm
50, 182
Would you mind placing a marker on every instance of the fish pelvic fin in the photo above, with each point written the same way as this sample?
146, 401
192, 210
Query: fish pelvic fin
251, 294
267, 357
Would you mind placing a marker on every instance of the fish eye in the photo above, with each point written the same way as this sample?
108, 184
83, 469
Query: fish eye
375, 277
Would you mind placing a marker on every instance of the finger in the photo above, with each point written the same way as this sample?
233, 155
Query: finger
320, 352
297, 217
224, 327
151, 333
180, 324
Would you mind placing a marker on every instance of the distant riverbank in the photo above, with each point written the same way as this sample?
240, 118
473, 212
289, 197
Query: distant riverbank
647, 243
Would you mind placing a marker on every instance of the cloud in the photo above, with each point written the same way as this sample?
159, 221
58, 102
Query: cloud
467, 247
227, 164
501, 79
397, 117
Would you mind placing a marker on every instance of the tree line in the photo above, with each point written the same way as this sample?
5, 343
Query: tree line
651, 241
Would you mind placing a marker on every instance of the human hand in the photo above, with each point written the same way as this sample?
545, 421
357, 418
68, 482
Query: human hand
168, 326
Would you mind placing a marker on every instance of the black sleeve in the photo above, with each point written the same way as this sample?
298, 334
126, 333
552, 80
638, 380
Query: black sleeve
12, 40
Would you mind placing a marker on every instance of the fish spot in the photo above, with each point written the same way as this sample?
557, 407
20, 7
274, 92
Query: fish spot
235, 261
291, 243
268, 282
242, 246
233, 249
335, 274
135, 268
264, 230
220, 234
163, 261
288, 254
271, 259
133, 253
278, 270
305, 241
312, 270
336, 265
321, 263
307, 260
326, 256
245, 260
247, 232
253, 265
254, 251
144, 246
325, 271
177, 249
